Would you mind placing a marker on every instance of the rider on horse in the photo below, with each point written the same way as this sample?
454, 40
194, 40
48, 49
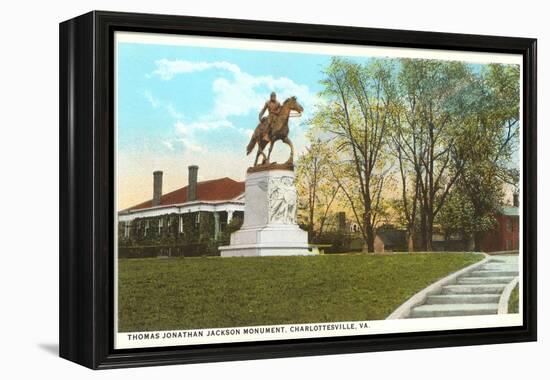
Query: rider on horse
273, 107
273, 128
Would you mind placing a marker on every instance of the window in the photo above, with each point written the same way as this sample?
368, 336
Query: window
146, 228
126, 229
181, 224
508, 245
161, 223
197, 219
509, 225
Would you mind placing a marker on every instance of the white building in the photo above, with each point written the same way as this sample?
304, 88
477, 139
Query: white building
164, 214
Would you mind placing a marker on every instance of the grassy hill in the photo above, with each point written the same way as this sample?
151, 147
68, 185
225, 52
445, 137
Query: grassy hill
191, 293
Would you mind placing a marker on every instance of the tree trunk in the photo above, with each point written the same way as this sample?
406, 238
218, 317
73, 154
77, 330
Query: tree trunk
429, 234
471, 243
410, 240
423, 234
310, 227
370, 236
478, 236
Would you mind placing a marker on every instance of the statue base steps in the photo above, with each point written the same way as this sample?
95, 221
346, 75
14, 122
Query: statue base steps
269, 227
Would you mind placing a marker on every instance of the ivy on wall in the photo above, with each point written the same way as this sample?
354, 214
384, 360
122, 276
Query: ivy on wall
194, 237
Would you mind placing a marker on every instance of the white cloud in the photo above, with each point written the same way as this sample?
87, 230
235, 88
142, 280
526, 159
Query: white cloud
192, 146
238, 94
181, 128
245, 132
173, 111
204, 124
166, 69
168, 107
184, 137
168, 144
155, 103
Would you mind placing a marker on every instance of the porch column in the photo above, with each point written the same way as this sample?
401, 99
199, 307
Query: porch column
229, 216
216, 225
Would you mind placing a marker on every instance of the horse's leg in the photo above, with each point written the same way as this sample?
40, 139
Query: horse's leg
270, 149
260, 152
287, 141
263, 144
257, 156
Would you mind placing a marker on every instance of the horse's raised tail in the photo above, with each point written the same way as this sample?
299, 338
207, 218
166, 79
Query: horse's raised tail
251, 144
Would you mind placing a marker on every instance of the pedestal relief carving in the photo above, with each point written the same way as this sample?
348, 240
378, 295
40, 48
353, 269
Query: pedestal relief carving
282, 200
269, 226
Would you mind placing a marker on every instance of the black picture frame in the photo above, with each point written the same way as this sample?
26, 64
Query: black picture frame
87, 183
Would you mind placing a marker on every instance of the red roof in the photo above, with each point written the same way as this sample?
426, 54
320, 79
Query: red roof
221, 189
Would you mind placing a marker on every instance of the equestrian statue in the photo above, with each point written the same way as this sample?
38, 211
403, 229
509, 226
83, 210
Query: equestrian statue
274, 127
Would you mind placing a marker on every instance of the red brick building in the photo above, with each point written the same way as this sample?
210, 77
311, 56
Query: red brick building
505, 236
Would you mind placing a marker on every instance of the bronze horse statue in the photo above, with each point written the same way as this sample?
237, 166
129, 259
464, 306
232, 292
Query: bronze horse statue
278, 130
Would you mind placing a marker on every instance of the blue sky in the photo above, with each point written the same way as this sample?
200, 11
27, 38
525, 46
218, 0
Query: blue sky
160, 86
182, 105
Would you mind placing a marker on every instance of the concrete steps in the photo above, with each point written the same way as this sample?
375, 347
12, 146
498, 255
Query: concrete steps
484, 280
453, 310
473, 289
494, 273
462, 298
476, 293
507, 267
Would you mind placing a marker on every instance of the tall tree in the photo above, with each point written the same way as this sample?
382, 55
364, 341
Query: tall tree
316, 188
471, 212
427, 127
356, 117
491, 131
449, 129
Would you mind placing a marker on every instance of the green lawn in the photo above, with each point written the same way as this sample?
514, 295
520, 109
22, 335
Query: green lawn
513, 302
190, 293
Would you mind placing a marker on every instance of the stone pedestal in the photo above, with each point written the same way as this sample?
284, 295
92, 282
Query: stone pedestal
269, 227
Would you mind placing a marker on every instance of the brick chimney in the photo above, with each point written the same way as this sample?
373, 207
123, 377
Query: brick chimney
516, 199
192, 183
157, 187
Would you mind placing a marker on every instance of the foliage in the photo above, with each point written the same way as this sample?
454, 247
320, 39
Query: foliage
490, 139
460, 215
146, 239
197, 249
193, 293
359, 99
234, 225
316, 189
428, 127
338, 240
447, 130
